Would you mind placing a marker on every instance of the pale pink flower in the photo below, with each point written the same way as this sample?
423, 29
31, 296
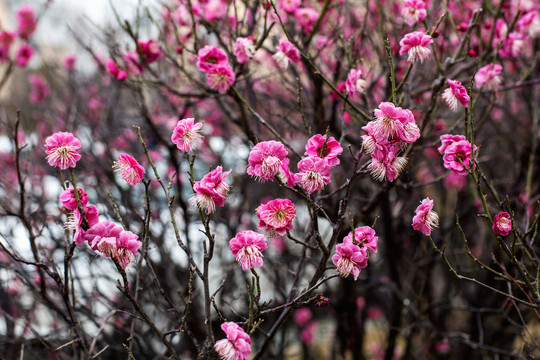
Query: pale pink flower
69, 201
488, 76
414, 11
313, 173
332, 148
276, 217
237, 345
24, 54
425, 218
220, 78
289, 6
209, 57
454, 94
62, 149
244, 49
355, 84
529, 24
247, 247
40, 89
457, 157
211, 190
130, 170
126, 247
349, 258
286, 52
512, 45
186, 135
502, 223
416, 45
265, 159
26, 21
447, 140
306, 17
364, 237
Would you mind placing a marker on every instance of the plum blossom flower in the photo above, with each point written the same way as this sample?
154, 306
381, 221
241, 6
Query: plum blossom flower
502, 223
24, 54
265, 159
150, 50
127, 245
387, 122
244, 49
69, 201
457, 157
289, 6
306, 17
247, 247
319, 146
425, 218
102, 236
6, 40
74, 222
130, 170
237, 345
454, 94
186, 135
62, 149
276, 217
40, 89
302, 316
220, 78
414, 11
488, 76
349, 258
364, 237
211, 190
69, 62
26, 21
286, 52
114, 70
388, 166
415, 44
209, 57
447, 140
355, 84
313, 173
529, 24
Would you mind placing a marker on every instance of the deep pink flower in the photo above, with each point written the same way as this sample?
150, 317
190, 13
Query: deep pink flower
388, 166
69, 201
425, 218
286, 52
332, 148
209, 57
62, 149
130, 170
211, 190
349, 258
40, 89
114, 70
186, 135
306, 17
502, 224
6, 39
302, 316
247, 247
408, 131
276, 217
416, 45
220, 78
313, 173
387, 122
459, 150
102, 236
265, 159
24, 54
74, 222
454, 94
126, 247
364, 237
414, 11
355, 84
26, 21
237, 345
244, 49
488, 76
447, 140
150, 50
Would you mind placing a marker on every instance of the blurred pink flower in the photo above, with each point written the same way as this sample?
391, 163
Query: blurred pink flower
414, 11
130, 170
69, 201
415, 44
349, 258
307, 335
502, 224
26, 21
306, 17
286, 52
40, 89
454, 94
6, 39
355, 84
364, 237
69, 62
265, 159
114, 70
24, 54
276, 217
302, 316
313, 173
244, 49
211, 190
150, 50
332, 148
237, 345
247, 247
186, 135
425, 218
488, 76
289, 6
220, 77
62, 149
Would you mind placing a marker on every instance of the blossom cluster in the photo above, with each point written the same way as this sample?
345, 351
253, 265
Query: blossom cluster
352, 254
215, 64
26, 26
133, 62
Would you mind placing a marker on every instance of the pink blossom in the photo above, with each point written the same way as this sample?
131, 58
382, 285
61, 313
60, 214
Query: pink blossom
349, 258
127, 244
307, 335
26, 20
74, 222
69, 62
69, 201
265, 159
186, 135
40, 89
355, 85
387, 122
414, 11
289, 6
276, 217
454, 94
220, 78
332, 148
512, 45
502, 224
425, 218
285, 174
247, 247
488, 76
6, 39
211, 190
286, 52
302, 316
62, 149
364, 237
130, 170
409, 132
306, 17
529, 24
215, 10
244, 49
209, 57
447, 140
455, 181
237, 345
313, 173
24, 54
102, 236
150, 50
114, 70
388, 166
457, 157
415, 44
